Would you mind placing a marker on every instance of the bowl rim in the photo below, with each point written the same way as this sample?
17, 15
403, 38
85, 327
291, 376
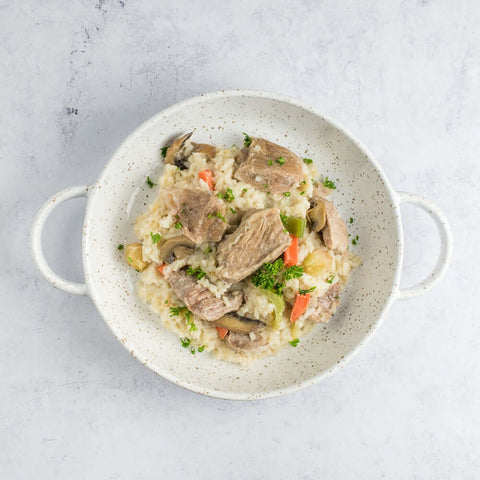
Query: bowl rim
216, 393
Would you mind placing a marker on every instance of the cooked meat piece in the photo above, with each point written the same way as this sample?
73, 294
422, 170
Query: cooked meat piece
325, 306
177, 153
335, 234
242, 342
197, 211
259, 166
200, 301
320, 192
260, 238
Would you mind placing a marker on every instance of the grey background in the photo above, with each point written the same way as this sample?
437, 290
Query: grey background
402, 76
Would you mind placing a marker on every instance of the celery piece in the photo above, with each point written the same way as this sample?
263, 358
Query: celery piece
296, 226
279, 304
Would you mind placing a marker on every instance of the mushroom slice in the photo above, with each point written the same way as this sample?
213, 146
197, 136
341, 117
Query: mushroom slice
317, 216
235, 323
208, 150
176, 152
245, 342
176, 248
134, 257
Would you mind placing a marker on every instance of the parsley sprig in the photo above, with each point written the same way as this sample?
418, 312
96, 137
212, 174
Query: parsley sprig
150, 183
228, 196
164, 150
196, 272
272, 276
217, 215
329, 183
308, 290
156, 237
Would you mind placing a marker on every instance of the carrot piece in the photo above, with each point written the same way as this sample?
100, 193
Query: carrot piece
222, 332
290, 256
207, 177
300, 305
161, 267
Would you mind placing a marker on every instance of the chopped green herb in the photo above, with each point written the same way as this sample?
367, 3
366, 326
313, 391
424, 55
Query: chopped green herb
247, 140
265, 185
201, 349
196, 272
272, 276
233, 211
227, 196
150, 183
286, 194
351, 220
270, 162
155, 237
266, 276
303, 182
355, 240
245, 190
175, 311
280, 161
185, 342
120, 247
308, 161
308, 290
337, 297
302, 193
294, 343
178, 225
164, 150
295, 271
208, 250
130, 259
191, 325
330, 278
329, 183
166, 301
192, 351
218, 215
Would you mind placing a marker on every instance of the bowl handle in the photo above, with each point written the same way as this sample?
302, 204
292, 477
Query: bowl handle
445, 247
36, 240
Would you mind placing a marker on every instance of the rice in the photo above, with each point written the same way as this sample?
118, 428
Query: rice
155, 290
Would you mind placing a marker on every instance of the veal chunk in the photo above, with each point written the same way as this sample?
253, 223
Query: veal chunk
260, 238
243, 342
335, 234
324, 306
201, 214
268, 166
200, 301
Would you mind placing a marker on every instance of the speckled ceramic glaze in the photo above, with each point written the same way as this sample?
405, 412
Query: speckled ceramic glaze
363, 193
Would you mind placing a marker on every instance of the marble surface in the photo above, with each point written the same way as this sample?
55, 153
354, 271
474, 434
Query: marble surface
77, 78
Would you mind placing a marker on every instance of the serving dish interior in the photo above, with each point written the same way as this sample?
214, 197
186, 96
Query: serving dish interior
121, 194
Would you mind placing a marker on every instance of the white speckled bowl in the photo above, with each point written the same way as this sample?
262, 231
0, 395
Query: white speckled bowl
364, 193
